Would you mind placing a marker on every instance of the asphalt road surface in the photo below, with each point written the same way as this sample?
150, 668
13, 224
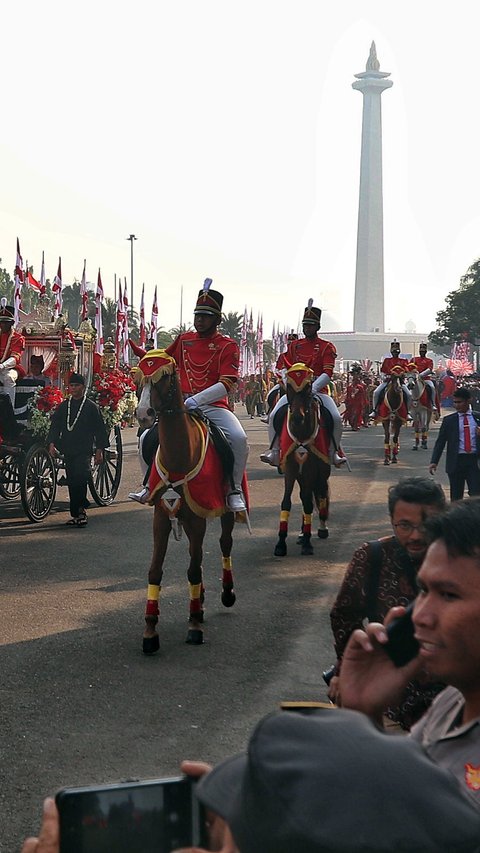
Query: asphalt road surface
81, 704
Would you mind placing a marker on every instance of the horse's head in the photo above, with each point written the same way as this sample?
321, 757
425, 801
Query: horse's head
415, 383
156, 377
299, 380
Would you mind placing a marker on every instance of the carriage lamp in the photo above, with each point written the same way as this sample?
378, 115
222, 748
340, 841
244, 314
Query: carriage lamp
66, 359
109, 361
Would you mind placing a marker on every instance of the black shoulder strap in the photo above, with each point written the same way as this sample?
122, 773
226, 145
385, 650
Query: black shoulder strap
373, 578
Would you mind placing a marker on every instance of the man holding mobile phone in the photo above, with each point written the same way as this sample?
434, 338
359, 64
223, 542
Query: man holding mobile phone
446, 618
383, 573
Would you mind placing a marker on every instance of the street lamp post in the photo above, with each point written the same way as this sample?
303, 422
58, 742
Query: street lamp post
131, 238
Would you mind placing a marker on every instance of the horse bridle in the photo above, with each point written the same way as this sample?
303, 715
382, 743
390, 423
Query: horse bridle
307, 413
166, 403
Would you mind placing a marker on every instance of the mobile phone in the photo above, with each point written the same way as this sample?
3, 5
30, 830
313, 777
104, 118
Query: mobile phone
402, 646
150, 816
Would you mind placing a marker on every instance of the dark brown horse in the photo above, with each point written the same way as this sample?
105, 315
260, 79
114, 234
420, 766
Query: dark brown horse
183, 441
304, 463
393, 413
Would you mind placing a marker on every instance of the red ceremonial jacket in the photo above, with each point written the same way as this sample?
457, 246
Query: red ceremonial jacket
317, 354
12, 344
423, 363
388, 363
203, 362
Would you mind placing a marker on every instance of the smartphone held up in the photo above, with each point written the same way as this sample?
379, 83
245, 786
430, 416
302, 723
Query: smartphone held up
402, 646
153, 816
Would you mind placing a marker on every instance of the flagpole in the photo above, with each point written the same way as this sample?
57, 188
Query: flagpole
131, 238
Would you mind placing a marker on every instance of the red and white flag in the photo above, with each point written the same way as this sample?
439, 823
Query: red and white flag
120, 324
243, 345
98, 315
154, 323
125, 349
143, 332
57, 289
19, 279
33, 284
259, 363
19, 273
84, 295
43, 285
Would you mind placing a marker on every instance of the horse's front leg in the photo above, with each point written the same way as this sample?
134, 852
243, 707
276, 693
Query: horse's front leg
386, 430
161, 532
322, 500
306, 497
285, 507
226, 543
195, 528
396, 442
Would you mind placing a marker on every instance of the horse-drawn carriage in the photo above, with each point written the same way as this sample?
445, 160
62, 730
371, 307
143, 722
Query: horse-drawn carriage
27, 470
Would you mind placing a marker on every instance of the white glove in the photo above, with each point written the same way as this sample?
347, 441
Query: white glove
425, 373
191, 403
320, 383
1, 366
10, 362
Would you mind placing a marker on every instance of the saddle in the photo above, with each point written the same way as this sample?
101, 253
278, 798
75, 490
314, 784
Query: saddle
217, 436
220, 442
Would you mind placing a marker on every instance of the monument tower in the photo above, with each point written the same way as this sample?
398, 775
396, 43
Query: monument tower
369, 282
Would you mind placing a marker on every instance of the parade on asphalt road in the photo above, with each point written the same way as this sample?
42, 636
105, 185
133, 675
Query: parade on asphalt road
176, 528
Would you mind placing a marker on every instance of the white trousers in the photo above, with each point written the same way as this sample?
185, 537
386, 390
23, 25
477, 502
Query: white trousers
8, 378
329, 404
406, 393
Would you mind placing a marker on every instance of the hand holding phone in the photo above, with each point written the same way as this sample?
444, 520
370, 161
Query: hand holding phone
152, 816
402, 646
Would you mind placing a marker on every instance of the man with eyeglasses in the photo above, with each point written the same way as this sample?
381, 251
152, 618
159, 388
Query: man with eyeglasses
383, 574
461, 433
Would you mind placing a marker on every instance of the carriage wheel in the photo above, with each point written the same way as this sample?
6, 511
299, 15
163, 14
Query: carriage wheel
9, 477
38, 483
105, 478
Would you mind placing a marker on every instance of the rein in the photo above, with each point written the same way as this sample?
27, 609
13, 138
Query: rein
316, 426
167, 404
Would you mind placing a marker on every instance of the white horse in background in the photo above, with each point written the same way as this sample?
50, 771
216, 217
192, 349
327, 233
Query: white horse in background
421, 409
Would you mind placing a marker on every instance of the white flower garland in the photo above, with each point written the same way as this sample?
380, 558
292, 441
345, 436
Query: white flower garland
70, 427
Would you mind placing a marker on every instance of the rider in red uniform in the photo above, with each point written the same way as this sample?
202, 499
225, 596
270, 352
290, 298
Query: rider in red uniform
424, 366
386, 370
319, 355
208, 367
12, 345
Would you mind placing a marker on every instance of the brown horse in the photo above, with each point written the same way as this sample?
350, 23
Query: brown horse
393, 413
305, 458
183, 441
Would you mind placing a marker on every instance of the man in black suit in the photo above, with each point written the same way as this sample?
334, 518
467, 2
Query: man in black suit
461, 433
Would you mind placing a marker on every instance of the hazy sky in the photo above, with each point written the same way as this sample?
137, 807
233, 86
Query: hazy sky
226, 136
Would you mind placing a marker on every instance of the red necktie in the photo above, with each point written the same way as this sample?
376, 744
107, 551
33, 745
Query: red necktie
466, 433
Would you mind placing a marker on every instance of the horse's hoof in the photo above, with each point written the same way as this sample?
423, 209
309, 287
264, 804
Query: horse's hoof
415, 447
151, 645
280, 549
228, 598
307, 550
386, 461
394, 460
194, 637
424, 445
323, 532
